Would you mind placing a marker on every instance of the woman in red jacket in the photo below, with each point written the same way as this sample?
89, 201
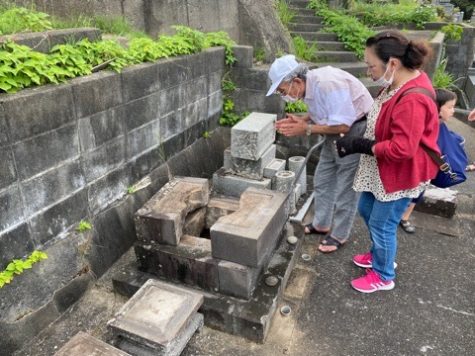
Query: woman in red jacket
394, 167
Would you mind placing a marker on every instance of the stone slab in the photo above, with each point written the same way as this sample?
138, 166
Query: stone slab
156, 315
173, 348
251, 136
219, 206
83, 344
237, 280
227, 183
227, 163
246, 318
161, 219
253, 169
275, 166
438, 201
250, 234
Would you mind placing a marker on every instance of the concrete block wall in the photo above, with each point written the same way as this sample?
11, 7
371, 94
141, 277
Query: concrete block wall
70, 151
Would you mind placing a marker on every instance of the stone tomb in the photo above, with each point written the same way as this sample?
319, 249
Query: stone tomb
158, 320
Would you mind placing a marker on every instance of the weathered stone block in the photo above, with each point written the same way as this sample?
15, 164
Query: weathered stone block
220, 206
253, 169
34, 111
227, 183
196, 112
156, 316
195, 222
244, 56
84, 344
45, 151
172, 71
438, 201
250, 234
161, 218
139, 112
215, 103
214, 58
252, 136
52, 186
190, 262
97, 92
3, 128
295, 164
104, 159
277, 165
140, 80
109, 188
15, 243
59, 217
237, 280
7, 167
171, 124
100, 128
143, 139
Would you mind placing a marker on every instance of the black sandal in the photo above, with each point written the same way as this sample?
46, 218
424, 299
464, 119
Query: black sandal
407, 226
311, 230
331, 241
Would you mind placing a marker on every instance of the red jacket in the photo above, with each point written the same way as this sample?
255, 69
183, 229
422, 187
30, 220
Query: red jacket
400, 130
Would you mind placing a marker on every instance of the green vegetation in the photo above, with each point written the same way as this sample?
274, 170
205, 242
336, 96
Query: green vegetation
20, 19
259, 55
21, 67
297, 107
388, 13
83, 226
283, 10
452, 32
442, 79
17, 267
348, 29
303, 50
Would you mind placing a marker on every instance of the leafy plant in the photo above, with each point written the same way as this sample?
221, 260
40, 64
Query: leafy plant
348, 29
221, 38
16, 267
206, 134
442, 79
20, 19
303, 50
452, 32
131, 190
259, 55
83, 226
284, 12
296, 107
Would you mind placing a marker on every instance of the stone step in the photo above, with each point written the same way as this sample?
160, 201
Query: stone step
298, 4
328, 45
307, 19
305, 27
358, 69
315, 36
302, 11
335, 56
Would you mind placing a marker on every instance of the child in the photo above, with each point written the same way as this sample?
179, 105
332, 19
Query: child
445, 100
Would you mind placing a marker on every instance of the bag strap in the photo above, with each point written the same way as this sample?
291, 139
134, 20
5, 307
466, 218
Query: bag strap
443, 166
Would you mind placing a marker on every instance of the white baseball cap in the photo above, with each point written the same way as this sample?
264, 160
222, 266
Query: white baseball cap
281, 67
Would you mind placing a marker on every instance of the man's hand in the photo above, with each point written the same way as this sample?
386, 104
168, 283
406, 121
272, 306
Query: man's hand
292, 125
471, 116
348, 145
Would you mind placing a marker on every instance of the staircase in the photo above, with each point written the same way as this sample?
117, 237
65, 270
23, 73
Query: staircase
330, 51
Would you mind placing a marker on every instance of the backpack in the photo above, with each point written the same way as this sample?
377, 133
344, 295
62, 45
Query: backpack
454, 160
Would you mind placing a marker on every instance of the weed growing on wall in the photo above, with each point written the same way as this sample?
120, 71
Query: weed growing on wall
83, 226
17, 267
229, 117
442, 79
452, 32
19, 19
284, 12
303, 50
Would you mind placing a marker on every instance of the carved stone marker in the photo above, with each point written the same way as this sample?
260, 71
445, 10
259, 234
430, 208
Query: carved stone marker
83, 344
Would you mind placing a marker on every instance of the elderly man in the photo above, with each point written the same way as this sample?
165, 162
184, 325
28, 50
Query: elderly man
337, 104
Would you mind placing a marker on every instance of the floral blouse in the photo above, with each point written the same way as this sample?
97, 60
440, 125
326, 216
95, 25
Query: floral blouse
367, 177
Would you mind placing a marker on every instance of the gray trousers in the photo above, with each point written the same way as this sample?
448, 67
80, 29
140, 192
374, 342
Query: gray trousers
335, 200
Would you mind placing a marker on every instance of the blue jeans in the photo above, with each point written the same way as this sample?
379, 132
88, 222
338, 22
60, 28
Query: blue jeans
382, 219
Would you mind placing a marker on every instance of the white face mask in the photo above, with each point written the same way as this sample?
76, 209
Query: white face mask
383, 82
289, 99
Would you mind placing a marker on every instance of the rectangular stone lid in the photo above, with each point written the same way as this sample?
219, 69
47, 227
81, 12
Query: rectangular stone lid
83, 344
254, 122
157, 312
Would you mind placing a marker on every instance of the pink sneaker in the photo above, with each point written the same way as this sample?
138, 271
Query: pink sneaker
371, 282
366, 260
